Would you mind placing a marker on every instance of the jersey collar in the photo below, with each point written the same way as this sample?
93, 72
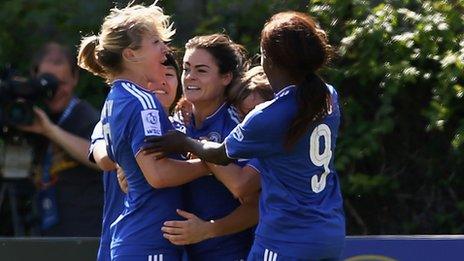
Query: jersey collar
133, 83
211, 118
285, 91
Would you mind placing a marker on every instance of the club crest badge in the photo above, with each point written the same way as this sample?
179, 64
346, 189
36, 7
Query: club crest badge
214, 136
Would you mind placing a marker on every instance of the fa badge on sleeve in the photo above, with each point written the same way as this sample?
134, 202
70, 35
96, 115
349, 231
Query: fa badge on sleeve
151, 122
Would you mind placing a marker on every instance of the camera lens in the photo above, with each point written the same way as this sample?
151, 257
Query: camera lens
20, 113
45, 85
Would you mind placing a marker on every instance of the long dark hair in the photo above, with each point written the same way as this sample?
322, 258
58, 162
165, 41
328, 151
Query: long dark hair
171, 60
294, 43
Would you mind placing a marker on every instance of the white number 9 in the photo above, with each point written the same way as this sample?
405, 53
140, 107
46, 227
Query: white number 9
319, 159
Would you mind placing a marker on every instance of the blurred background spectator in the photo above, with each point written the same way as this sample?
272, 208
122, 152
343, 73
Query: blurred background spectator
69, 189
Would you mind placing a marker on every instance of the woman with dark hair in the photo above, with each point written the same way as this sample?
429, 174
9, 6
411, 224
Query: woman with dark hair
293, 137
217, 224
171, 91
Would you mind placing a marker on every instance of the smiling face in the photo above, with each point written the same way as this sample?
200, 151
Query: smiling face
166, 93
202, 82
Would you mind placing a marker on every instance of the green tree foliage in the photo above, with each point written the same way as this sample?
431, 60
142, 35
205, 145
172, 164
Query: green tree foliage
399, 72
26, 25
400, 75
242, 19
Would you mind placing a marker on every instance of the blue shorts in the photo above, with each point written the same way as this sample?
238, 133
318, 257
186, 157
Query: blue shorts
149, 257
261, 252
239, 256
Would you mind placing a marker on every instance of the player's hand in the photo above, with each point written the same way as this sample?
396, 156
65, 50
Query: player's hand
186, 111
185, 232
171, 142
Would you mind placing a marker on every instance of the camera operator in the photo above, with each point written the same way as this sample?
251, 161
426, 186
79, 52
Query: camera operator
70, 190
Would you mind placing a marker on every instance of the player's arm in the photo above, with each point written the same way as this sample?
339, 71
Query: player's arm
243, 217
165, 172
101, 157
194, 229
97, 151
178, 142
240, 181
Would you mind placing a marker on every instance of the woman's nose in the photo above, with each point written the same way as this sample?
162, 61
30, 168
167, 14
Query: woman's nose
188, 75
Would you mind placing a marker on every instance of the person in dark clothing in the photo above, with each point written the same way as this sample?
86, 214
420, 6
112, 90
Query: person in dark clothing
69, 186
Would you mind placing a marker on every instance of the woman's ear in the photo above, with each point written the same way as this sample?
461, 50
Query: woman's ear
128, 54
227, 78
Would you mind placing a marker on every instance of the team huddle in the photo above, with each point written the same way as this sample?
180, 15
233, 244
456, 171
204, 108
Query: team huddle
227, 161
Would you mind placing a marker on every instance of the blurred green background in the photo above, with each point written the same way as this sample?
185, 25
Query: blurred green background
399, 72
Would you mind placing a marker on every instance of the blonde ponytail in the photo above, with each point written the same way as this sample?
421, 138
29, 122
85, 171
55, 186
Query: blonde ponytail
87, 57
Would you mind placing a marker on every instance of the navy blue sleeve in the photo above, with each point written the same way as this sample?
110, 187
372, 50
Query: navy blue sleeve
143, 123
252, 138
254, 163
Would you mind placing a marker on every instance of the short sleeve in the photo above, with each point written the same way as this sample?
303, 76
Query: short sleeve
252, 138
145, 123
97, 134
254, 163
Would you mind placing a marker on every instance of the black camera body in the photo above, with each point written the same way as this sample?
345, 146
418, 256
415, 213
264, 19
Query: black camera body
18, 95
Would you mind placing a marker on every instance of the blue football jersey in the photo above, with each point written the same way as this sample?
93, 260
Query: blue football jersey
301, 208
113, 200
130, 114
207, 197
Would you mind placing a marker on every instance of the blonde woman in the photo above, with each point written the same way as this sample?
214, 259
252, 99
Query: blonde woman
128, 53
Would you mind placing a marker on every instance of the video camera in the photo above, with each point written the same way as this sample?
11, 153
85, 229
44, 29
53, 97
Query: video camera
18, 95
